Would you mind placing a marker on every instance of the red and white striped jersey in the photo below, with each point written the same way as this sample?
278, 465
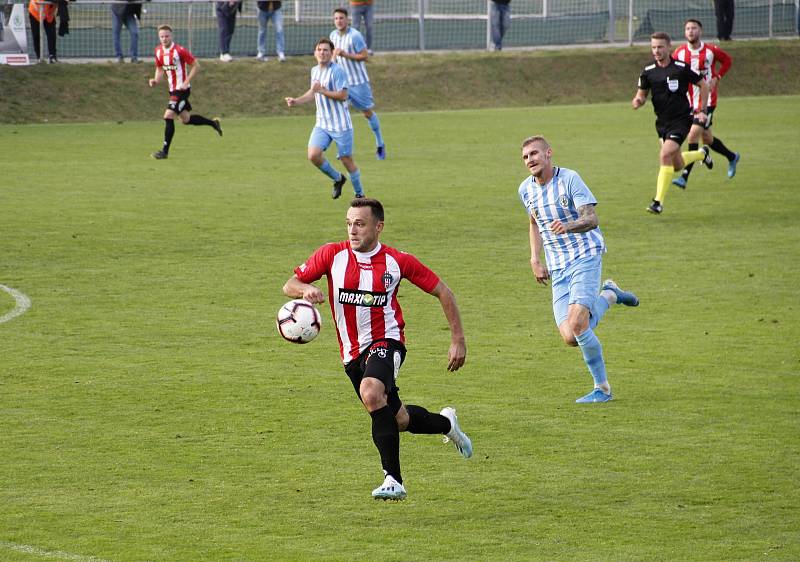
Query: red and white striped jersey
362, 291
703, 61
174, 60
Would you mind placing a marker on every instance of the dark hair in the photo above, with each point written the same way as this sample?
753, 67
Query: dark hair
692, 20
661, 35
374, 204
323, 40
341, 11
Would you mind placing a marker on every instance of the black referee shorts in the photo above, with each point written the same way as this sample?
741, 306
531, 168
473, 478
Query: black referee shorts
676, 130
382, 361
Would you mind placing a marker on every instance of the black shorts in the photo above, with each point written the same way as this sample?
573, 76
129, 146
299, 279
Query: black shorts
709, 118
676, 130
382, 361
179, 101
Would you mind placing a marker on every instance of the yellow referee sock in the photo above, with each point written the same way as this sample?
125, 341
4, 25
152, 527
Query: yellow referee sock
664, 179
692, 156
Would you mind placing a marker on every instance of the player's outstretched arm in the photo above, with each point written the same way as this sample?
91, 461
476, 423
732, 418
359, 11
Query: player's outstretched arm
296, 289
457, 354
305, 98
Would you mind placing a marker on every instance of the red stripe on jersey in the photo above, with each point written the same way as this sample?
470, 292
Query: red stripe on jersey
376, 314
352, 279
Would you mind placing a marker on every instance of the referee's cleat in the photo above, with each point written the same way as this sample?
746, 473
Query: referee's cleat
380, 153
217, 126
160, 155
732, 165
707, 161
391, 489
623, 297
458, 437
594, 397
655, 208
337, 187
680, 181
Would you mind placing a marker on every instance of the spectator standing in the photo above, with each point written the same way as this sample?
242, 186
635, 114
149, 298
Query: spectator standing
126, 14
724, 10
500, 16
270, 11
363, 10
47, 12
226, 23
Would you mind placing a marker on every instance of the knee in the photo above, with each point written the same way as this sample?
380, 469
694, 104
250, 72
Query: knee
372, 397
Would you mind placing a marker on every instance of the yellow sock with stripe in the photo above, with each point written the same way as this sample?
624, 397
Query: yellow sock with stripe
664, 178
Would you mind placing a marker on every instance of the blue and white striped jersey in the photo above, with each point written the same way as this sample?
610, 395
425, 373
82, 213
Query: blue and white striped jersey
560, 199
351, 42
332, 115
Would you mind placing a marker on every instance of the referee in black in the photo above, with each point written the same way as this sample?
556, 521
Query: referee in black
668, 80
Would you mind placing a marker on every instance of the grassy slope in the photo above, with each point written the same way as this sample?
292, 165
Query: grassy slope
111, 92
151, 412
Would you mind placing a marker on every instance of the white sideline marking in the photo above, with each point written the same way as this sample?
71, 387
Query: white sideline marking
27, 549
23, 304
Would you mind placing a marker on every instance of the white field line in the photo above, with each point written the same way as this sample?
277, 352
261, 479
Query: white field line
23, 303
58, 554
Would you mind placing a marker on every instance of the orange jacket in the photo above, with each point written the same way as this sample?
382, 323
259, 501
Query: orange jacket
49, 10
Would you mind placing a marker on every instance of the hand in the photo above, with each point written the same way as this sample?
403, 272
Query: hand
540, 272
701, 117
557, 227
316, 87
637, 103
291, 101
313, 295
152, 82
182, 86
713, 83
457, 355
337, 52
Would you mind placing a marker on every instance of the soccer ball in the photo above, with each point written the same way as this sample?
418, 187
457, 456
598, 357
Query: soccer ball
299, 321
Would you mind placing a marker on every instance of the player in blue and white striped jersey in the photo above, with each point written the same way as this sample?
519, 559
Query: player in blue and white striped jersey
350, 51
564, 224
329, 91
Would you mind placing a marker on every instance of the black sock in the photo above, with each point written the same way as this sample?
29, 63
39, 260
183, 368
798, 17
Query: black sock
688, 169
199, 120
169, 131
386, 437
422, 421
717, 146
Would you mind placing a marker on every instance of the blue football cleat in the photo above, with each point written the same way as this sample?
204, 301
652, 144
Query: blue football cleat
680, 181
380, 153
732, 165
623, 297
593, 397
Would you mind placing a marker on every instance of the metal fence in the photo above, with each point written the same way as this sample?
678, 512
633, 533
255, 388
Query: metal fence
418, 25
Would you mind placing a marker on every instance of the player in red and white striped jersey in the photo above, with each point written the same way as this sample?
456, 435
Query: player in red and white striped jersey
363, 280
712, 63
172, 61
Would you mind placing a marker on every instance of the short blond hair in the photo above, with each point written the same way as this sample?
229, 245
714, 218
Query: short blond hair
536, 138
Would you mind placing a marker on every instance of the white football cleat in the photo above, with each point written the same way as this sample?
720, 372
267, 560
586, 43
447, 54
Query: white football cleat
391, 489
458, 437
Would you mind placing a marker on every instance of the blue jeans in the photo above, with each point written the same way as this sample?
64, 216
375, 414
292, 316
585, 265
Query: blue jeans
132, 24
277, 22
500, 21
366, 13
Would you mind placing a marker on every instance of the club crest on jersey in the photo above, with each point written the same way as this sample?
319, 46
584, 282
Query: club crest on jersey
563, 201
387, 280
673, 84
362, 298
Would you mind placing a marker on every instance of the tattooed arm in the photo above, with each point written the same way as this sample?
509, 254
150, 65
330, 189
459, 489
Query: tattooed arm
586, 221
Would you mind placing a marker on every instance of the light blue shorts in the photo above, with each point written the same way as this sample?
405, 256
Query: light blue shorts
360, 96
578, 283
323, 139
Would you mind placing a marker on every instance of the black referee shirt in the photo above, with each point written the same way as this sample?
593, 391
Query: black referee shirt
668, 86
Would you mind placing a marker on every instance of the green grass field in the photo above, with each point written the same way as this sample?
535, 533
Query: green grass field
150, 411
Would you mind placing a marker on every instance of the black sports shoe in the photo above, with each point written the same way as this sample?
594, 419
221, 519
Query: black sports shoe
654, 207
160, 155
337, 187
709, 163
217, 126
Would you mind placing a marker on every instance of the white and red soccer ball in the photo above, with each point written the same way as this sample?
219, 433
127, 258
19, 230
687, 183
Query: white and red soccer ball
299, 321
